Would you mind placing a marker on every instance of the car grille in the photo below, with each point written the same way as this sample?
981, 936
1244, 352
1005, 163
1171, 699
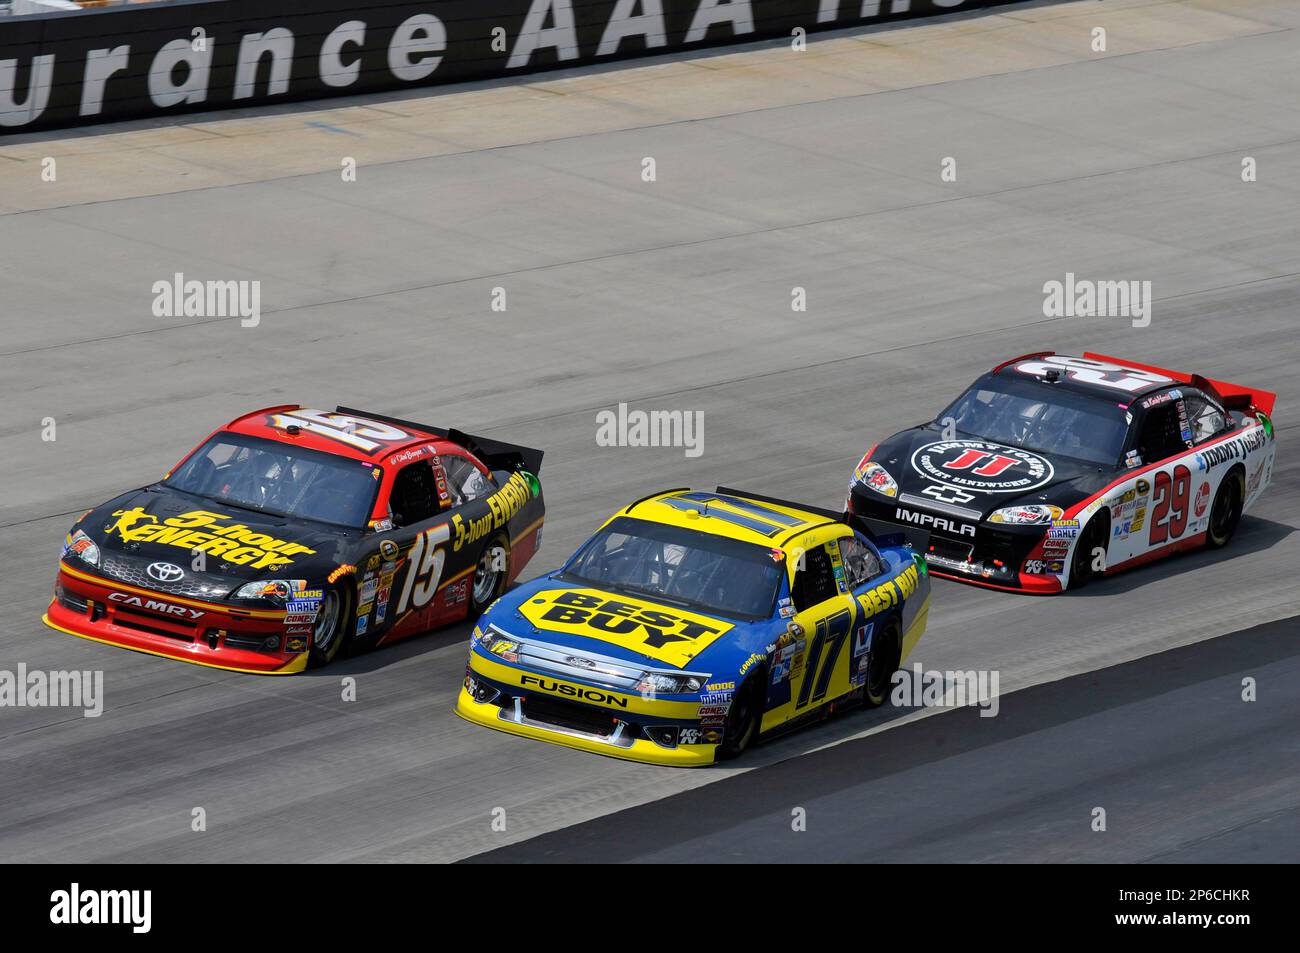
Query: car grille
562, 714
950, 549
155, 625
131, 570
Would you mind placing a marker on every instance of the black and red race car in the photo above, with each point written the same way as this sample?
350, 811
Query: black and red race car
1050, 470
291, 533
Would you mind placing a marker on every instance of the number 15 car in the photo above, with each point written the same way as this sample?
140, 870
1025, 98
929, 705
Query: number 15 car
291, 534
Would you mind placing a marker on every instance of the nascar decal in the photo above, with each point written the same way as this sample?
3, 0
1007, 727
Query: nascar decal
670, 635
204, 531
502, 506
981, 466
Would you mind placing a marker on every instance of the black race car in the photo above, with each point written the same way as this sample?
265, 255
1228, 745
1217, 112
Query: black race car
1050, 470
290, 533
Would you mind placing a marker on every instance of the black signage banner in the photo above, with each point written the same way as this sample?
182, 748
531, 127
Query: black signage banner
67, 69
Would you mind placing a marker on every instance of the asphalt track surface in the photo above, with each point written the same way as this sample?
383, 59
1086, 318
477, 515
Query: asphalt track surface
772, 173
1166, 746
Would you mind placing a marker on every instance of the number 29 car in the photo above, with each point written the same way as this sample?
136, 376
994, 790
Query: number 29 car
291, 533
1051, 470
693, 623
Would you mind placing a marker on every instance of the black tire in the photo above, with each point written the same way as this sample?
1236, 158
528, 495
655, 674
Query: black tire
745, 717
886, 656
1225, 514
489, 580
328, 640
1093, 536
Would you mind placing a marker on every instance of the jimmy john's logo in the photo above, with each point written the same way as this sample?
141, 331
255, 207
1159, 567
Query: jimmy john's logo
984, 467
201, 531
1230, 450
669, 635
591, 695
502, 506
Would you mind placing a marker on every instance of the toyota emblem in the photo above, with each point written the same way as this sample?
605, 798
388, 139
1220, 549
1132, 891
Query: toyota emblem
165, 572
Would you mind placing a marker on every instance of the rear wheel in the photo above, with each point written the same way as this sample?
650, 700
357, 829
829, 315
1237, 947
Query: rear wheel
1226, 512
330, 630
489, 576
743, 718
1082, 567
886, 654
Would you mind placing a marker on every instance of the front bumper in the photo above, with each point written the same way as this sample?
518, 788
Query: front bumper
494, 695
996, 557
187, 630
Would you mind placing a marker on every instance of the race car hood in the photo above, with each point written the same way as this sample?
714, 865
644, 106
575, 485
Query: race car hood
163, 524
981, 476
621, 626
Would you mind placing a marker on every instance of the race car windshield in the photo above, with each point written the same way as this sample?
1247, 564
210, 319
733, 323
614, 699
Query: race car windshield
679, 566
270, 477
1036, 416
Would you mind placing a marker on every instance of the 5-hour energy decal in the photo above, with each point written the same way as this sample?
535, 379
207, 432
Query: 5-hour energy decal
502, 506
202, 531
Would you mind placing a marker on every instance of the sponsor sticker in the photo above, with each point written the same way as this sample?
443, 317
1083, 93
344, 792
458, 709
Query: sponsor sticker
982, 466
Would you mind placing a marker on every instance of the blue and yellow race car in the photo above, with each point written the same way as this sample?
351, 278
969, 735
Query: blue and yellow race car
692, 623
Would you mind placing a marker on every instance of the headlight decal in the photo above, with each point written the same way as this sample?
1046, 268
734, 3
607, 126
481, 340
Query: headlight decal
875, 477
1031, 514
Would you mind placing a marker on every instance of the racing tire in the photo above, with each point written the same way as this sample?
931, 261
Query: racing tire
332, 628
1093, 535
490, 576
881, 666
744, 718
1225, 514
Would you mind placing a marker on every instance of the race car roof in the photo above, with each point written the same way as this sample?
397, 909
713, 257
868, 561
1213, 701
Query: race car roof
1111, 379
762, 523
349, 435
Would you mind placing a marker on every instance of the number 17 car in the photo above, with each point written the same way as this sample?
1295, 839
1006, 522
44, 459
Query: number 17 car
1051, 470
292, 534
692, 623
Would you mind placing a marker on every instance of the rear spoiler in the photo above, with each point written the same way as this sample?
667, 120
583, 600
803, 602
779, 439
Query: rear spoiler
497, 454
1233, 396
881, 532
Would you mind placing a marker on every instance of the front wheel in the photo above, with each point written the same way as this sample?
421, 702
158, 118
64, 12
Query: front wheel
331, 628
1083, 566
744, 717
1226, 512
